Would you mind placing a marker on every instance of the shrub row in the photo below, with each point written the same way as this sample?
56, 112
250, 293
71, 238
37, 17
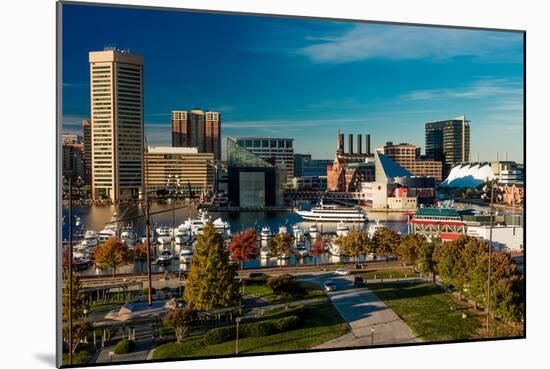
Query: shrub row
257, 329
124, 346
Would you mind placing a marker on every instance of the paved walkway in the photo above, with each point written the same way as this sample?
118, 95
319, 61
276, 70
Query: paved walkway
370, 320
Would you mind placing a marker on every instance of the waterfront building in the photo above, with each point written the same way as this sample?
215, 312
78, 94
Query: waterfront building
195, 171
197, 128
469, 175
116, 85
308, 183
305, 166
448, 141
445, 223
395, 188
87, 149
251, 180
508, 172
408, 156
281, 149
513, 194
507, 230
349, 169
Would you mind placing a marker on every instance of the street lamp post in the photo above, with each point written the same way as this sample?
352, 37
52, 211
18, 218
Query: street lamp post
237, 320
70, 262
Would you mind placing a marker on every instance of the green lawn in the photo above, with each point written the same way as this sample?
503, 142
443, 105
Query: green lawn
427, 311
104, 305
313, 291
81, 357
324, 324
388, 273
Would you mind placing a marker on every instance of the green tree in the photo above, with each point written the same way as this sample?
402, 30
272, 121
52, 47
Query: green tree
81, 329
211, 282
409, 247
78, 298
507, 288
281, 244
450, 264
475, 257
385, 242
112, 255
354, 244
244, 246
426, 260
181, 320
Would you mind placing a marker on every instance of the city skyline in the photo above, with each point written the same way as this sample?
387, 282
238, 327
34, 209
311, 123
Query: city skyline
305, 78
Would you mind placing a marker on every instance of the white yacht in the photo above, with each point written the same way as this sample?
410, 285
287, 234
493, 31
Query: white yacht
297, 232
314, 231
90, 239
265, 253
128, 236
106, 233
265, 234
374, 227
283, 229
301, 250
186, 254
333, 213
165, 257
333, 248
342, 229
222, 227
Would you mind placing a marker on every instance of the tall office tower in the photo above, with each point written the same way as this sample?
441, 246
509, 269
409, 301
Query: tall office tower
448, 141
180, 129
212, 127
87, 142
196, 129
408, 156
116, 84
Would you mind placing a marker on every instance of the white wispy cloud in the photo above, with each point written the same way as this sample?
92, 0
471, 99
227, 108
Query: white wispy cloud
367, 41
486, 88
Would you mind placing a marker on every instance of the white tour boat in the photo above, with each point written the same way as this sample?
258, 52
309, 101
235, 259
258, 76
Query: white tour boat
333, 213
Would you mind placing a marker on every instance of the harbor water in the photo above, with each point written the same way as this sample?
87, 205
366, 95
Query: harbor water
95, 217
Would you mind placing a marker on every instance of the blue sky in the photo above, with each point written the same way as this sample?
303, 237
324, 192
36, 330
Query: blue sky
305, 78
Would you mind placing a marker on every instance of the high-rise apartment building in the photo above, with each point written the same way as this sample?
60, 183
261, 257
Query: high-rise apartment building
87, 149
448, 141
199, 129
180, 129
280, 149
408, 156
116, 84
212, 128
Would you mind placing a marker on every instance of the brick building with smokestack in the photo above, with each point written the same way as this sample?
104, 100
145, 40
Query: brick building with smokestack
350, 168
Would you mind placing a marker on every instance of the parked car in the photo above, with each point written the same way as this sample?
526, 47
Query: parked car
359, 282
330, 286
341, 272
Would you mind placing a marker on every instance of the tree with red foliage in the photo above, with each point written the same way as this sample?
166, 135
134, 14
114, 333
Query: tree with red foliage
244, 246
318, 248
112, 254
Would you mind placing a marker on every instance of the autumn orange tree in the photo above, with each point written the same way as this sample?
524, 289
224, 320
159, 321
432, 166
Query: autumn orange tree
244, 246
112, 254
318, 248
181, 319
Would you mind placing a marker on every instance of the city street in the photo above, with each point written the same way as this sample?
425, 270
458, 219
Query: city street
370, 320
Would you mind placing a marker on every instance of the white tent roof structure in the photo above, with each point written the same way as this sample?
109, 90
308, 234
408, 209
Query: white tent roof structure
469, 175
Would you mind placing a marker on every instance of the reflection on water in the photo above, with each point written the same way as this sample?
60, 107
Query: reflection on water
93, 217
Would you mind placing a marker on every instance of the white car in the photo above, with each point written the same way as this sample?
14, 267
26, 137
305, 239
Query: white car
341, 272
330, 286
